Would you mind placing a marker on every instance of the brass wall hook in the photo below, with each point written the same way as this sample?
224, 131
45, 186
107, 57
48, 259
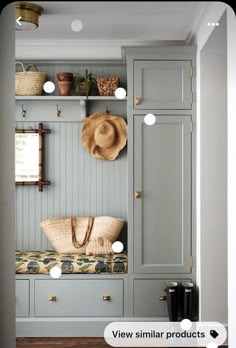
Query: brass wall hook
107, 110
23, 111
58, 112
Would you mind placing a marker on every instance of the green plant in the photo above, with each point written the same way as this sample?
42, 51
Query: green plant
83, 84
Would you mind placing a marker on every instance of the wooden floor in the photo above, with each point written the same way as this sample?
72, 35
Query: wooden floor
64, 342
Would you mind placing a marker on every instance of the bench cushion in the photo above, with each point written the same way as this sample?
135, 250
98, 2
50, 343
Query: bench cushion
42, 261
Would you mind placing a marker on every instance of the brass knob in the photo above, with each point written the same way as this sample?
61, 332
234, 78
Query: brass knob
52, 298
138, 194
106, 298
162, 298
138, 100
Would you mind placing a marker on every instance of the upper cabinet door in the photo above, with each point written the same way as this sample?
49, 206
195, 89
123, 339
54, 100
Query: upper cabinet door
162, 84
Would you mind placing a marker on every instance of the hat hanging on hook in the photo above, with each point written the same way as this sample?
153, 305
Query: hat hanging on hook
104, 135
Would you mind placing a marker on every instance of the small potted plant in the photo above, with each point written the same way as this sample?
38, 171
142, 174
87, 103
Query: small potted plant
83, 84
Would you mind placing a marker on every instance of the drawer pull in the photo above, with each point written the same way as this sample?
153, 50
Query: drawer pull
52, 298
138, 100
162, 298
138, 194
106, 298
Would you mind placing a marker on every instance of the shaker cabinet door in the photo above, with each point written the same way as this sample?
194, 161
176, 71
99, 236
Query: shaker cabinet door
162, 195
162, 84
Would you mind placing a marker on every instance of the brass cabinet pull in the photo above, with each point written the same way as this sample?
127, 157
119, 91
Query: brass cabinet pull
106, 298
138, 100
52, 298
162, 298
138, 194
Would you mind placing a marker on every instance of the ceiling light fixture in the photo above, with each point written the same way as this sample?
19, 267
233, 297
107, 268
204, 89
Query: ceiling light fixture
27, 14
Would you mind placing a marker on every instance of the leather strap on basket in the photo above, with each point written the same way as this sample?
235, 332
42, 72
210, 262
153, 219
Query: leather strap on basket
87, 234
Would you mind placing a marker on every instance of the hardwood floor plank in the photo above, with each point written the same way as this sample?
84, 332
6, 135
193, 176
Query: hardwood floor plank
63, 342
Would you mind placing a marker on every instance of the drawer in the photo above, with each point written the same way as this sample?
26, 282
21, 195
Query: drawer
22, 298
78, 298
146, 297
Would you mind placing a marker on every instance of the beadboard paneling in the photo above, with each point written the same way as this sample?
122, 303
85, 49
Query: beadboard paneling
80, 185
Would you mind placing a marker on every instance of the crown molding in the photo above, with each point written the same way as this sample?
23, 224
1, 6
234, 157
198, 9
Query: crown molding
200, 15
80, 50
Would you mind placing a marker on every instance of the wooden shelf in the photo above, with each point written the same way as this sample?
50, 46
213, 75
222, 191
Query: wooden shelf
57, 97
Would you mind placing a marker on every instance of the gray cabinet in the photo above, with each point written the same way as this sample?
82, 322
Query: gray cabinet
162, 84
162, 175
22, 298
75, 298
150, 297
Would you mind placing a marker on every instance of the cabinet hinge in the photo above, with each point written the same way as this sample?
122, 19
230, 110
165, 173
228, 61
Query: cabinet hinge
190, 261
191, 126
191, 71
191, 98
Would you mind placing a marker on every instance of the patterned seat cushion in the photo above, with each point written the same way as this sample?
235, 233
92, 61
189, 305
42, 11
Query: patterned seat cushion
33, 262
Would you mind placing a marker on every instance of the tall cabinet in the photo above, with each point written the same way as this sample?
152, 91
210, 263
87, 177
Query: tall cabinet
161, 159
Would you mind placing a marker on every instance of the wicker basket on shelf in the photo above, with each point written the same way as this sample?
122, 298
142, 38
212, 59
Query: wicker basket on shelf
107, 85
29, 82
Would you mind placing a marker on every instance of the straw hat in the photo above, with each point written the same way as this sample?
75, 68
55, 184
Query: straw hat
103, 136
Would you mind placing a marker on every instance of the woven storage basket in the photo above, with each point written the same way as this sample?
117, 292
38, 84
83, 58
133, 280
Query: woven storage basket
29, 82
59, 231
100, 246
107, 85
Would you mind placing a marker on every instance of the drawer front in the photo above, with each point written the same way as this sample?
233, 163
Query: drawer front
162, 85
146, 297
22, 298
78, 298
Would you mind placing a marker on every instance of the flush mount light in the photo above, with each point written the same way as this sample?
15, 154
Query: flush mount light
27, 15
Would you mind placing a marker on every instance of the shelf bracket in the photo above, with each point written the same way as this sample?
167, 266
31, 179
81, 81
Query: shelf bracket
83, 109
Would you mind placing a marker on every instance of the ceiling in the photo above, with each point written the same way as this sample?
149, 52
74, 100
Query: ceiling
125, 22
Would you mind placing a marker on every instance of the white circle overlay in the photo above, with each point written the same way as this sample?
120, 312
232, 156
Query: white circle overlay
212, 345
49, 87
150, 119
76, 25
117, 246
186, 324
120, 93
55, 272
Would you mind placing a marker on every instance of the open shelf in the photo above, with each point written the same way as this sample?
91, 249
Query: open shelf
57, 97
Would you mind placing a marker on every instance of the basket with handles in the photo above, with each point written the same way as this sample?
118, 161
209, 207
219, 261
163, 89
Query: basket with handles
29, 82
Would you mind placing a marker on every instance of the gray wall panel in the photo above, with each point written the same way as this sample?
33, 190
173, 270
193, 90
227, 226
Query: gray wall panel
80, 185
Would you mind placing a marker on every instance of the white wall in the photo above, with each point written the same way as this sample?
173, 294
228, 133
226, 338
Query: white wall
208, 272
231, 76
7, 178
213, 175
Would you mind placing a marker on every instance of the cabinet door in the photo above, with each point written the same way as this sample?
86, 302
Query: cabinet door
22, 298
162, 215
162, 84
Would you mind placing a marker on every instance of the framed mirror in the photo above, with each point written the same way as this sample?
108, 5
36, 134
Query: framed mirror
29, 157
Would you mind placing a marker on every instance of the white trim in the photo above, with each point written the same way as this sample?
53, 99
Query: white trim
198, 19
79, 49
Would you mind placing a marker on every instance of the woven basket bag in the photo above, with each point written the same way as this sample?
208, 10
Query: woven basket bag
59, 232
29, 82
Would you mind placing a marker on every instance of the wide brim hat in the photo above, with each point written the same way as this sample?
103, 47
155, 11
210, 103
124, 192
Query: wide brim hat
104, 135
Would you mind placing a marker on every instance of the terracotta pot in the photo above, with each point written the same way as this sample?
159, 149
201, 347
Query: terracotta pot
64, 87
64, 76
83, 89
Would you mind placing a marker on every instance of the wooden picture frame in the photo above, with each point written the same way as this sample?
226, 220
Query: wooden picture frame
29, 157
